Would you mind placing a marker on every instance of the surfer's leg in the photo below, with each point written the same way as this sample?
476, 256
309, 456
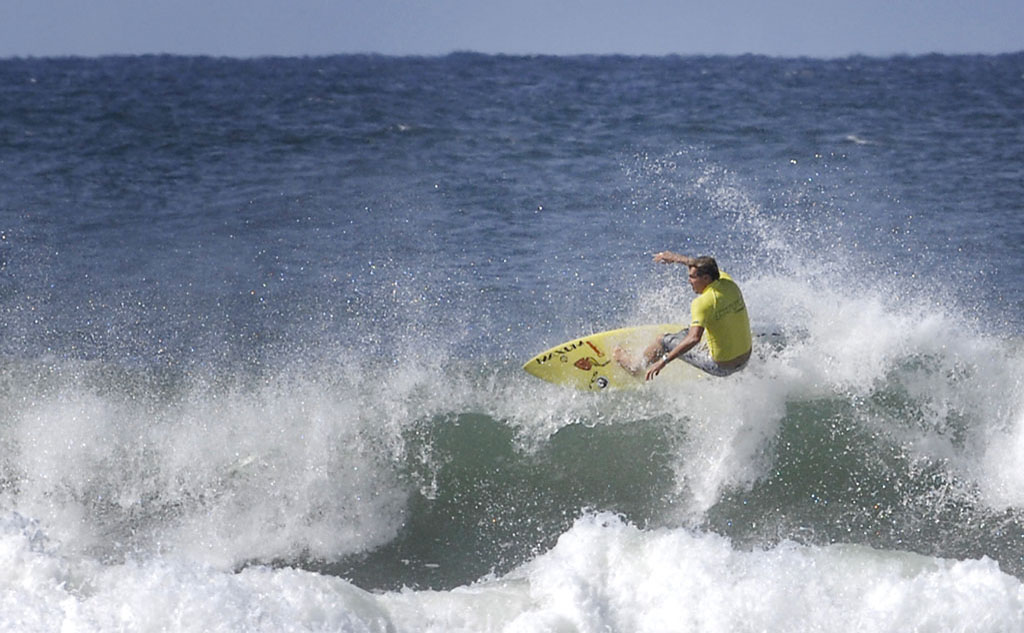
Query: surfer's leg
703, 361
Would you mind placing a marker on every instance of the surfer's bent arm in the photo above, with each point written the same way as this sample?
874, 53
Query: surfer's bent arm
668, 257
693, 336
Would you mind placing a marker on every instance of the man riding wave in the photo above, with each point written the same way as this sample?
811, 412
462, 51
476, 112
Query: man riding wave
718, 310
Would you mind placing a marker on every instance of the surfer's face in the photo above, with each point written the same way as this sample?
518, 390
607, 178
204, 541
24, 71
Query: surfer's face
698, 281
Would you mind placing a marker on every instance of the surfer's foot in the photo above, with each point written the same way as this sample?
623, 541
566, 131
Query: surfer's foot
626, 361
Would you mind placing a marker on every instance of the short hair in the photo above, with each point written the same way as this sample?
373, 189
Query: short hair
706, 266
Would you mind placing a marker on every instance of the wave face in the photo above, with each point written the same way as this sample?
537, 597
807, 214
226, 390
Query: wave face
262, 326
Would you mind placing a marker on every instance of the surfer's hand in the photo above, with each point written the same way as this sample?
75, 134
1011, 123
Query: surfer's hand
655, 369
668, 257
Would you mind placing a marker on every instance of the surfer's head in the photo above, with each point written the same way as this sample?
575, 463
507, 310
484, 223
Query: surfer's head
703, 271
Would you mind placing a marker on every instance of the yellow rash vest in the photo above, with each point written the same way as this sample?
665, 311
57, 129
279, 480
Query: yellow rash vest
721, 311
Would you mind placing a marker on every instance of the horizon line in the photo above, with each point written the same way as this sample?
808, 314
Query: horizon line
468, 53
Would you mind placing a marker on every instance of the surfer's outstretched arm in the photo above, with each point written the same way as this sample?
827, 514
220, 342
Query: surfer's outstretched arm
668, 257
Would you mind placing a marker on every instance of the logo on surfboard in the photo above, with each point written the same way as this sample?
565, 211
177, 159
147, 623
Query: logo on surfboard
562, 352
588, 362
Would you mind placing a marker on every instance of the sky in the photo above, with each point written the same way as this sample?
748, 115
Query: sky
251, 28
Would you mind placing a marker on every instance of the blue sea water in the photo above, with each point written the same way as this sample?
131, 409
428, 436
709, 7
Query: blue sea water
262, 325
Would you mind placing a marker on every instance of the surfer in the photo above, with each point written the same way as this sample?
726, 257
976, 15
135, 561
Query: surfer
718, 309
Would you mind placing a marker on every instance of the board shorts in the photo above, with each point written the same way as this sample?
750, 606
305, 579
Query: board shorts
699, 356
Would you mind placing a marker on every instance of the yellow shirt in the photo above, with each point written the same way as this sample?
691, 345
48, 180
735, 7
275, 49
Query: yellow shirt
720, 310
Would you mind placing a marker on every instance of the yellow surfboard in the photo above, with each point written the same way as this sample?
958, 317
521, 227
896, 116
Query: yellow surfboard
587, 362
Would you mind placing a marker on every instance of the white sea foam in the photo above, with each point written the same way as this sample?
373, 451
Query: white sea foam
603, 575
227, 474
999, 473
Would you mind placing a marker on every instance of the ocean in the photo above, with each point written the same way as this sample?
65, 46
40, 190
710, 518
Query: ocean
263, 321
